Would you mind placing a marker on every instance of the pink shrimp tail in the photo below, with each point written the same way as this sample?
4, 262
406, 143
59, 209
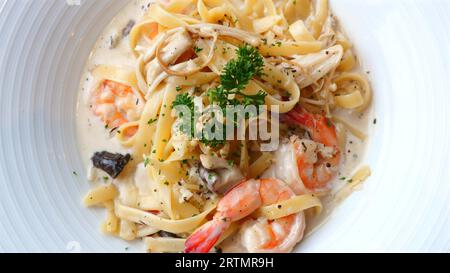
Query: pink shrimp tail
205, 237
300, 116
321, 128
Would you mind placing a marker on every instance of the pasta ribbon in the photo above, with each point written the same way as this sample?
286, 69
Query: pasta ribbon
291, 206
348, 61
100, 195
361, 175
353, 78
164, 18
178, 6
175, 245
350, 101
260, 165
287, 49
295, 9
148, 28
213, 15
319, 18
300, 33
264, 24
174, 226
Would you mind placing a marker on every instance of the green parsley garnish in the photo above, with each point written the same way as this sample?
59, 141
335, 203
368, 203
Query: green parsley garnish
187, 101
235, 76
238, 72
197, 49
146, 161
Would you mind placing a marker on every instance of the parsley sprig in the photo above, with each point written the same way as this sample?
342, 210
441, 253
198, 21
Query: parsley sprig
238, 72
236, 75
187, 101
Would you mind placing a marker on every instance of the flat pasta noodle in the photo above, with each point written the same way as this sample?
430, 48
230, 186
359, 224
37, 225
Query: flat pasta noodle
164, 18
176, 245
178, 6
122, 135
174, 226
318, 20
148, 203
112, 222
213, 15
100, 195
164, 245
241, 20
297, 9
260, 165
360, 176
365, 87
244, 158
149, 27
300, 33
127, 230
341, 133
287, 49
348, 61
350, 101
163, 189
165, 175
164, 123
266, 23
145, 231
290, 206
196, 79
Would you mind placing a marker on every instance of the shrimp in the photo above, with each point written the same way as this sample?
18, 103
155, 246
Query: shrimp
259, 235
116, 104
317, 160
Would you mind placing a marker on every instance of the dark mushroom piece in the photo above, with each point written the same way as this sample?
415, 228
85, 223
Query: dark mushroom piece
166, 234
218, 174
127, 29
209, 177
112, 164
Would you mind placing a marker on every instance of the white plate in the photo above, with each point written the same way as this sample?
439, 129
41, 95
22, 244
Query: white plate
404, 206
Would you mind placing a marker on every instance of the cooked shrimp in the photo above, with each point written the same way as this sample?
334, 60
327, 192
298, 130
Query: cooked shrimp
317, 160
116, 104
259, 235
